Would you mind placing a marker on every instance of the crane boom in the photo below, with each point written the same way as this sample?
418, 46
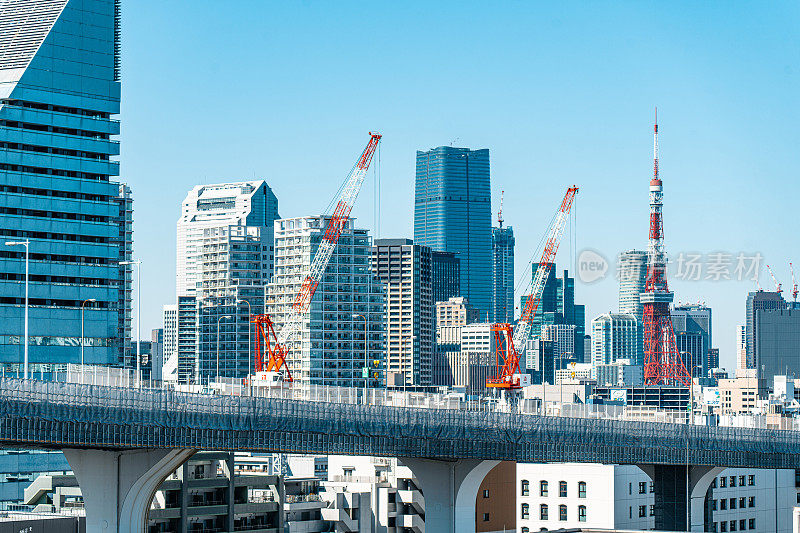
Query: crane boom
523, 329
778, 288
794, 283
278, 350
510, 346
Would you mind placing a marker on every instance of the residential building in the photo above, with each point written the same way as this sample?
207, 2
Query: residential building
757, 301
557, 306
233, 265
740, 395
620, 373
540, 361
474, 363
170, 316
59, 96
563, 338
124, 242
692, 326
615, 336
752, 499
632, 274
495, 508
156, 354
247, 203
451, 316
330, 347
502, 310
713, 358
188, 370
741, 347
777, 343
452, 213
405, 268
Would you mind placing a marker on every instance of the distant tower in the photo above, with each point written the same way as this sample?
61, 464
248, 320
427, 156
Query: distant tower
662, 362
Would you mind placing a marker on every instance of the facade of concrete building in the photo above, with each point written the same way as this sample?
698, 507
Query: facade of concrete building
170, 321
540, 361
247, 203
495, 505
474, 363
632, 274
20, 468
405, 268
188, 369
59, 94
692, 326
777, 343
124, 241
615, 336
502, 310
758, 301
157, 354
452, 213
741, 347
751, 499
451, 316
740, 395
330, 348
563, 338
557, 306
446, 275
570, 495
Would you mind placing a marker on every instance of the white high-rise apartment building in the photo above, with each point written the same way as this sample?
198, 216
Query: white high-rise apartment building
247, 203
170, 370
632, 273
330, 349
741, 347
615, 336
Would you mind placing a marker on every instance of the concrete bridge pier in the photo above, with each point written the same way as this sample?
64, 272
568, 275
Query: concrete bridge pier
450, 489
118, 486
670, 486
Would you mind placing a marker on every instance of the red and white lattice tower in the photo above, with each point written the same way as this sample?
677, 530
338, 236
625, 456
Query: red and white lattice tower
662, 362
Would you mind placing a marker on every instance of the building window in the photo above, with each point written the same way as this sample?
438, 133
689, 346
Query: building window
733, 482
485, 517
642, 487
486, 493
581, 489
526, 487
723, 482
562, 512
652, 487
741, 524
723, 526
751, 524
543, 512
581, 513
642, 511
733, 525
543, 488
723, 504
525, 511
751, 501
733, 503
652, 510
713, 505
751, 480
562, 489
525, 530
714, 527
741, 502
741, 482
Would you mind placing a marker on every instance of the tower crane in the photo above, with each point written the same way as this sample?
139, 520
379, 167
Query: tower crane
778, 288
794, 283
510, 343
500, 211
277, 346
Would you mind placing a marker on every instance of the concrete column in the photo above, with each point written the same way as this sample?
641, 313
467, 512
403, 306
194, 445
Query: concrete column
118, 486
450, 489
671, 495
229, 461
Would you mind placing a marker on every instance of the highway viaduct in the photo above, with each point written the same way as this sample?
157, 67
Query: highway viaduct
123, 442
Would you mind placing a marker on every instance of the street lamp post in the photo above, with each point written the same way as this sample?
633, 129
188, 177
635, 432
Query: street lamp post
366, 359
249, 343
138, 264
26, 243
218, 324
83, 337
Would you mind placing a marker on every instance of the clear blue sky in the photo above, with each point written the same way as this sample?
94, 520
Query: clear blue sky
560, 92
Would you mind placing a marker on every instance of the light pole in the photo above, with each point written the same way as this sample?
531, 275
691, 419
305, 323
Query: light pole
218, 322
366, 365
249, 342
83, 342
26, 243
138, 264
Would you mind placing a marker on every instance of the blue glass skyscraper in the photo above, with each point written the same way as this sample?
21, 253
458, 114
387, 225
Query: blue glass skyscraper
452, 213
59, 89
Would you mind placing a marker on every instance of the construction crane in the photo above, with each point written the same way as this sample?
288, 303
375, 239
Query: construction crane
510, 343
276, 347
794, 283
500, 211
778, 286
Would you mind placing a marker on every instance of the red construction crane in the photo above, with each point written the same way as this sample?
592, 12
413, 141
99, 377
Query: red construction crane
662, 362
778, 286
276, 347
508, 344
500, 211
794, 283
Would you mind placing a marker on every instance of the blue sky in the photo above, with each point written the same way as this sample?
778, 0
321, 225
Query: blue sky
560, 92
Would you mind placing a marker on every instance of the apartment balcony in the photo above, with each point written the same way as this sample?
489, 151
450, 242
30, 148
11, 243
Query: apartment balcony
414, 498
413, 522
341, 520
